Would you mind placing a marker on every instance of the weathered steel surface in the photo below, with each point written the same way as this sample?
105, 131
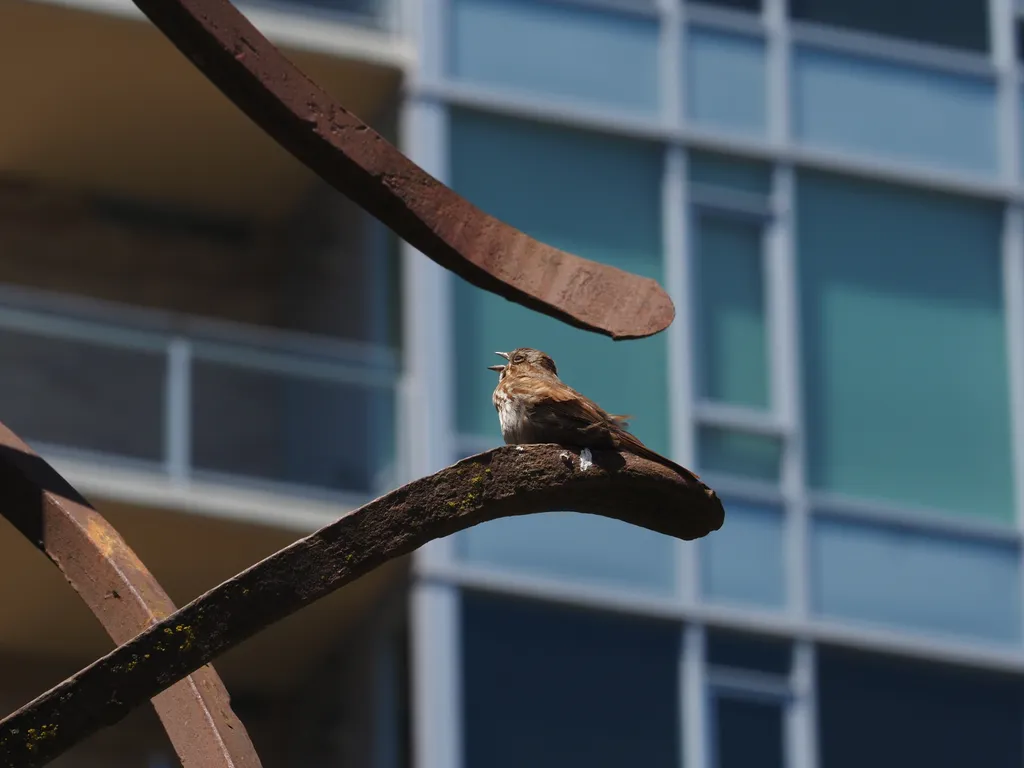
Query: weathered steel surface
506, 481
123, 595
357, 161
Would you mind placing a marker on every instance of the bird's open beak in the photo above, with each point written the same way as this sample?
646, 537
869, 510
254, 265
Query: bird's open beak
498, 367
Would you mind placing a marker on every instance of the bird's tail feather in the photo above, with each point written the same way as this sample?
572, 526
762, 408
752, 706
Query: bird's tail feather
632, 443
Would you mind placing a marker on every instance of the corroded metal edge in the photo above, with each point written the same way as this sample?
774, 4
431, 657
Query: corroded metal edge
358, 162
507, 481
123, 595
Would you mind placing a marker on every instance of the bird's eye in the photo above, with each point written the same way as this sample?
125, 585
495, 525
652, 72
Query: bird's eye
518, 358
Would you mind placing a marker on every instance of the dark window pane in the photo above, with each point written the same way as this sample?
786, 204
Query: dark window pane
83, 395
762, 654
282, 427
890, 713
748, 733
740, 5
549, 687
956, 23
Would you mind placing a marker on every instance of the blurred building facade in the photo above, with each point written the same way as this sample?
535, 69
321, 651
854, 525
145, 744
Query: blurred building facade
223, 355
202, 339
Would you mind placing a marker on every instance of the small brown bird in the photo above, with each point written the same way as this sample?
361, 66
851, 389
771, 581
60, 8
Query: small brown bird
535, 406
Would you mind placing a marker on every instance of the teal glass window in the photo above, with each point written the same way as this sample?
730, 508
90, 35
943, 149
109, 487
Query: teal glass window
724, 451
904, 346
598, 197
731, 328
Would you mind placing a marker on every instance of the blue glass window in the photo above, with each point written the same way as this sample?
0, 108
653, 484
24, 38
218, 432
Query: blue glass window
902, 577
905, 373
743, 561
574, 546
714, 57
548, 687
887, 110
588, 54
598, 197
915, 713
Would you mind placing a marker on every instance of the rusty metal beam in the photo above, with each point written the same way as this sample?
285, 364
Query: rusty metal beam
506, 481
358, 162
123, 595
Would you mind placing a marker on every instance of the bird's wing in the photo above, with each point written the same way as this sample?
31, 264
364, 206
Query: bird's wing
568, 417
577, 420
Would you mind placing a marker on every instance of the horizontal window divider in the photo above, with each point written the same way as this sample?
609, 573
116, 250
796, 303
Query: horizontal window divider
919, 520
53, 453
154, 473
290, 364
987, 656
542, 108
162, 325
693, 138
128, 481
732, 203
84, 331
717, 19
748, 684
290, 342
342, 498
892, 50
740, 418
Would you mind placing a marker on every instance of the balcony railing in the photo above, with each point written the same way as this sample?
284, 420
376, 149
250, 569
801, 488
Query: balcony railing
198, 399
